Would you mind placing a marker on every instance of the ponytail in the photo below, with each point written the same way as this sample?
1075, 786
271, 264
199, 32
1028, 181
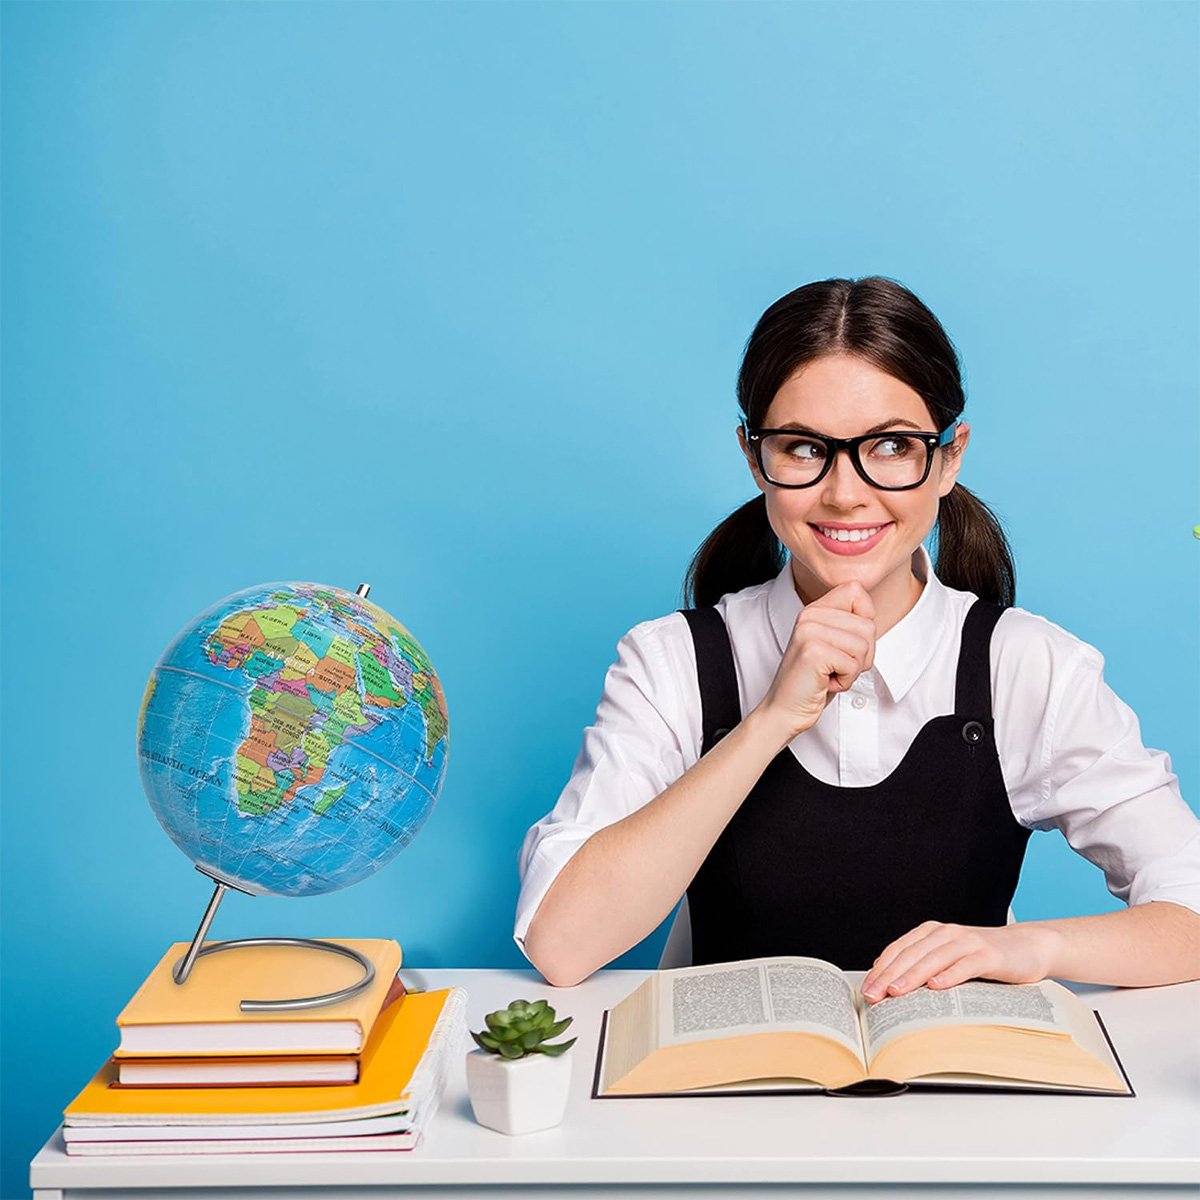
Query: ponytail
972, 554
742, 551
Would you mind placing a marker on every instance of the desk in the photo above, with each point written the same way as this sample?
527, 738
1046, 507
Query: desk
815, 1146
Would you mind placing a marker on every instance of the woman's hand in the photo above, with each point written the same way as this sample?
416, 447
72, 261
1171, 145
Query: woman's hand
832, 643
940, 956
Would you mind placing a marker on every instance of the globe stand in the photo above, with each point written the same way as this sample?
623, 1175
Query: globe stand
183, 968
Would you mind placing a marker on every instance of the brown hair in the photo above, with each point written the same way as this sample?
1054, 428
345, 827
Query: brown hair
881, 321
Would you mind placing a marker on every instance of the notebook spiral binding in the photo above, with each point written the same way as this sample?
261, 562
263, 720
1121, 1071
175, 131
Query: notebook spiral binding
428, 1082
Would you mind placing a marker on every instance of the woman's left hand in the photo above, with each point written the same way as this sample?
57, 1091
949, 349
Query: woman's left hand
939, 956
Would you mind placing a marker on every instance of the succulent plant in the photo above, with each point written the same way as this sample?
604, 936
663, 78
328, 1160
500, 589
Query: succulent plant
522, 1029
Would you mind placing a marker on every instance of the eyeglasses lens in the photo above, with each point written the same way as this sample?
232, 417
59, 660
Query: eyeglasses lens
891, 460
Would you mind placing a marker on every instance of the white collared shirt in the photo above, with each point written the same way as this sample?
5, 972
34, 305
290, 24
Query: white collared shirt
1070, 749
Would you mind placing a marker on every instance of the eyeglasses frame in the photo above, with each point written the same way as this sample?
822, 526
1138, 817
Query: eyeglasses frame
754, 438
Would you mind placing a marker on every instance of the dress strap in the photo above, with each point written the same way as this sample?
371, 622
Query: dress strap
973, 683
720, 706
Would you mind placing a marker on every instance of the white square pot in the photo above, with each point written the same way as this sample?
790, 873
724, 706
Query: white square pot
519, 1095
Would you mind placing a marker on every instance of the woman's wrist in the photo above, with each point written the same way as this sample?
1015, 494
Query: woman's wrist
778, 729
1145, 945
1047, 947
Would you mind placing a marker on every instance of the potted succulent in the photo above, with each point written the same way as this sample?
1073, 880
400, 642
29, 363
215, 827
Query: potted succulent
517, 1081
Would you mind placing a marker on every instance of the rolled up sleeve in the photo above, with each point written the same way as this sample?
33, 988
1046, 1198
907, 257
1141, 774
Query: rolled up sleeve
638, 745
1117, 802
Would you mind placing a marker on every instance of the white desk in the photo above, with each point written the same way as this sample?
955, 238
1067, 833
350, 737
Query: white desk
819, 1146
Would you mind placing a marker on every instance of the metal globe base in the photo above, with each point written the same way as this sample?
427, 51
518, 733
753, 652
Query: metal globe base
183, 968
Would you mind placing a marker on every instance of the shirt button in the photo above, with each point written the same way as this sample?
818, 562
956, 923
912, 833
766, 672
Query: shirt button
859, 701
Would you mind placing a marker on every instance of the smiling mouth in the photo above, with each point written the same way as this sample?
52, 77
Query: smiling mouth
855, 533
855, 540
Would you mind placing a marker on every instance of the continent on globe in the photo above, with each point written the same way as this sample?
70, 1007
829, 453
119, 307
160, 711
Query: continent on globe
313, 689
293, 738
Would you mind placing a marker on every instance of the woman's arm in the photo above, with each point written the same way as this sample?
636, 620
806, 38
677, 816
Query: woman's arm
1149, 944
1074, 760
624, 880
1143, 946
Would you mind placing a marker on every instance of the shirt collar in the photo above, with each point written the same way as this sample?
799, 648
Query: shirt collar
904, 651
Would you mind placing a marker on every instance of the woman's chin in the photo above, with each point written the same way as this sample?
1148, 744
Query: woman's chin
812, 583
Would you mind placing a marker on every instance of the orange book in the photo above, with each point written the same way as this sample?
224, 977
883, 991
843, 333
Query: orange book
402, 1068
202, 1016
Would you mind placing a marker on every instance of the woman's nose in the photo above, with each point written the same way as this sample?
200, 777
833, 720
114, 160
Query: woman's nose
844, 487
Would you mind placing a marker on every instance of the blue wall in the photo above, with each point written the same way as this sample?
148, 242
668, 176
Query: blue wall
450, 298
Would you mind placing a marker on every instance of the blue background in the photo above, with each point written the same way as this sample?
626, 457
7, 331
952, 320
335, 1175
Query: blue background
450, 298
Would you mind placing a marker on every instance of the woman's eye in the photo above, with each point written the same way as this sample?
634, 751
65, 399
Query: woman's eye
803, 449
892, 447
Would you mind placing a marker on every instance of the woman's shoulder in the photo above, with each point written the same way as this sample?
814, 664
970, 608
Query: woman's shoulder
735, 608
1022, 633
1035, 662
666, 640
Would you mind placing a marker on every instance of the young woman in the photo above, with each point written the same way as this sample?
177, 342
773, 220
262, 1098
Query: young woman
841, 751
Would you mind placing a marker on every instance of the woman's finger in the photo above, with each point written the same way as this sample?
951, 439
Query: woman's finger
839, 667
836, 618
851, 597
899, 970
887, 956
958, 972
830, 653
850, 633
937, 962
832, 625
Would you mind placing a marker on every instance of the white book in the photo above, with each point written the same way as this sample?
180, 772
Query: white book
234, 1072
351, 1145
394, 1123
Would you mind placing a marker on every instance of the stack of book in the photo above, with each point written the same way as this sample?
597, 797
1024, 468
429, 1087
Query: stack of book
192, 1074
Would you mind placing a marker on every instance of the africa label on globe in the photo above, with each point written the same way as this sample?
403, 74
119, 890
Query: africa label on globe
292, 739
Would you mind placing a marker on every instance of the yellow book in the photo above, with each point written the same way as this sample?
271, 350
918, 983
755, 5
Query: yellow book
202, 1017
403, 1067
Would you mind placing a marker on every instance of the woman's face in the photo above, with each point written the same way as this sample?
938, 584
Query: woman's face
843, 396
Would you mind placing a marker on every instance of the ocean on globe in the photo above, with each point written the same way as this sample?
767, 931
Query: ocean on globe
292, 739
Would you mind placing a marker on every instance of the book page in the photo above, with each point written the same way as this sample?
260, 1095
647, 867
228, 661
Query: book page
1032, 1006
633, 1031
760, 995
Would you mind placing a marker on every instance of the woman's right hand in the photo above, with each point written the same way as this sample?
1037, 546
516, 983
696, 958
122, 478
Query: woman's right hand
832, 643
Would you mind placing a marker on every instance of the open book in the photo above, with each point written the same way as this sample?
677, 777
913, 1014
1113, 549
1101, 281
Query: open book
800, 1025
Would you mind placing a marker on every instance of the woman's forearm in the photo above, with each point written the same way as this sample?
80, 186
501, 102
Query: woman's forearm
624, 880
1150, 944
1143, 946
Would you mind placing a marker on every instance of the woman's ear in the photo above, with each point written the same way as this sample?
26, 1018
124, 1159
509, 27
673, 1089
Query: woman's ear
952, 456
758, 479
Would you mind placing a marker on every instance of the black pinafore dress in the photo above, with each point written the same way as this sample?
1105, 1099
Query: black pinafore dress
808, 868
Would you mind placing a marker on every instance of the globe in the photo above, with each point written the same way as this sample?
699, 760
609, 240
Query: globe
292, 739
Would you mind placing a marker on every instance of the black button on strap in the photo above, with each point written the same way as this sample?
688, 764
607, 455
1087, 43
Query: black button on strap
972, 733
718, 734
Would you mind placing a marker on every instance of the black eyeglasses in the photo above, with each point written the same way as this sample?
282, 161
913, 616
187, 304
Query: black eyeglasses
893, 461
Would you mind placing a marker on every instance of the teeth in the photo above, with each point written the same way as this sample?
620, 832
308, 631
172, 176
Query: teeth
849, 535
